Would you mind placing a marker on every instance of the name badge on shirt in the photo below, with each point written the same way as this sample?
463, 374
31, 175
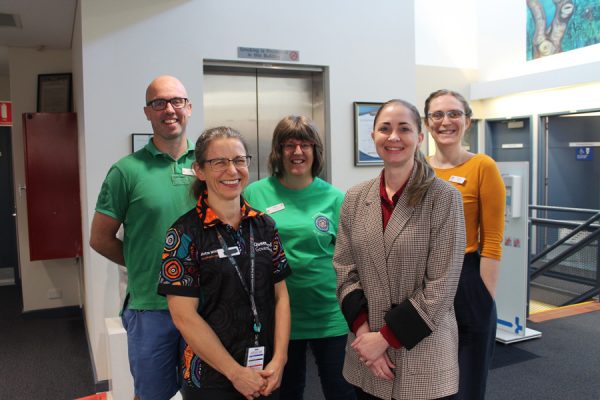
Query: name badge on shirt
458, 179
231, 251
255, 357
188, 171
275, 208
179, 179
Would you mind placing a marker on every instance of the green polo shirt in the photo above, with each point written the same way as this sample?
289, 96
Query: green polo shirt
307, 221
147, 191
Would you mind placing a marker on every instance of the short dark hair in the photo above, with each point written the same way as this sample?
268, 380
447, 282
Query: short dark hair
456, 95
299, 128
202, 144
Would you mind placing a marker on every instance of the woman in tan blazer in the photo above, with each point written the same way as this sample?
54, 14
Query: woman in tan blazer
398, 257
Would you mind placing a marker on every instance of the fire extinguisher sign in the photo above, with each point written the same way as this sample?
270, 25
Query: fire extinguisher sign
5, 113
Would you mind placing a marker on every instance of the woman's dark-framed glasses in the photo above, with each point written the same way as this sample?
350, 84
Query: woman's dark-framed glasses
222, 163
452, 114
161, 104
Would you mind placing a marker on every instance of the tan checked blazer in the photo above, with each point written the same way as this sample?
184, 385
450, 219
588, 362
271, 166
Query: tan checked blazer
408, 277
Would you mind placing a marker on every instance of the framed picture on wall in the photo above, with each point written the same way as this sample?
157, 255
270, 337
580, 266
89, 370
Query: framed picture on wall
364, 148
139, 140
54, 93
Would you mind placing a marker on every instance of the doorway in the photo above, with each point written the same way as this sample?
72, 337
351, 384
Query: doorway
9, 269
571, 161
510, 140
253, 98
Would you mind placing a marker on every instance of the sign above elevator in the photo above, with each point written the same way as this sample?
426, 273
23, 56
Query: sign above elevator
268, 54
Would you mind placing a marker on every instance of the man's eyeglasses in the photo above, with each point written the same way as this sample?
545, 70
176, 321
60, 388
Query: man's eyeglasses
291, 147
222, 163
439, 115
161, 104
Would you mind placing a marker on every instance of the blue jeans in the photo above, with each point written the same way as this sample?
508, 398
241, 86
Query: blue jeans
153, 348
329, 355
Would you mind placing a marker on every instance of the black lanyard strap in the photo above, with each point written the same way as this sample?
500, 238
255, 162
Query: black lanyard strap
250, 292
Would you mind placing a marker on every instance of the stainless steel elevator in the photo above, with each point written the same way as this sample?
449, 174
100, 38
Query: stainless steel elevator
253, 98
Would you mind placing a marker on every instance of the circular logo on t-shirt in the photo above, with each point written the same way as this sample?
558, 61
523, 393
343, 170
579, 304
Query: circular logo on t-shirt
322, 223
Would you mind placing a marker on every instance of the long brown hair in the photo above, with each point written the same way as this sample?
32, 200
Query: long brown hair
423, 173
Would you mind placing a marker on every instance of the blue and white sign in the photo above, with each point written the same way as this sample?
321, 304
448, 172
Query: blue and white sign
584, 153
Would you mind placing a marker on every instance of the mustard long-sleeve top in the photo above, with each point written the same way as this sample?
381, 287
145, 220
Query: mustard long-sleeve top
484, 198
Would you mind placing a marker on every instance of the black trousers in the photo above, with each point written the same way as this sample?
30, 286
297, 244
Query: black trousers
476, 317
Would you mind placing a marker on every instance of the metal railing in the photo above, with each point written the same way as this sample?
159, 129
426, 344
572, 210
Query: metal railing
565, 252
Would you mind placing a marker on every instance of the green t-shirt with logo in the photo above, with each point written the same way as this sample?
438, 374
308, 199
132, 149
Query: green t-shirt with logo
307, 221
147, 191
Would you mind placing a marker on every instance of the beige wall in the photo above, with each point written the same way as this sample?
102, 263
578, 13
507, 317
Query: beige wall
4, 87
37, 277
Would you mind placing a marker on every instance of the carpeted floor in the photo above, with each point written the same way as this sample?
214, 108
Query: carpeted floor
45, 356
560, 365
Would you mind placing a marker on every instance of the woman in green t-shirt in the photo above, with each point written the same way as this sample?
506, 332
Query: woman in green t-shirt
306, 209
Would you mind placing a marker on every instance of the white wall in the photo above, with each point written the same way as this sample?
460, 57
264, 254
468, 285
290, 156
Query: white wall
446, 33
504, 68
369, 52
39, 276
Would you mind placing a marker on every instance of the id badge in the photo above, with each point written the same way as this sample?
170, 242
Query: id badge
458, 179
255, 357
231, 251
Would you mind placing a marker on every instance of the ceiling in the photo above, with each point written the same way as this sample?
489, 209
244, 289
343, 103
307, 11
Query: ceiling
45, 24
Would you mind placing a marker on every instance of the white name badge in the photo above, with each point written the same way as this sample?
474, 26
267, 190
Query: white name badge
255, 357
275, 208
457, 179
232, 251
187, 171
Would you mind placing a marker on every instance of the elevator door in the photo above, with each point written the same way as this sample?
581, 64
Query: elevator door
253, 101
573, 161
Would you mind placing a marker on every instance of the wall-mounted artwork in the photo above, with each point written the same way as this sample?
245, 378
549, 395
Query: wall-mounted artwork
555, 26
364, 148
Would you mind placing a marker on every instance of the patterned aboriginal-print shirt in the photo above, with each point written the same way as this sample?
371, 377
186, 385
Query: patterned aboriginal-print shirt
195, 265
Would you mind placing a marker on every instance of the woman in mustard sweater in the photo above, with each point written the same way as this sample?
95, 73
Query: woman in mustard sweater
477, 177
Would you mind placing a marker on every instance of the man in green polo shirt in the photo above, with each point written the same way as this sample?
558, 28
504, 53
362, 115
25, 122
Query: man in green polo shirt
146, 192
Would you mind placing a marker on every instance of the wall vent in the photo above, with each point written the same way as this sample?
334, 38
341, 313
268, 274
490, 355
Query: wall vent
10, 20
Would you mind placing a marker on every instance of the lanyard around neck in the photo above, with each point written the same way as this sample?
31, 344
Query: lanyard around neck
250, 292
